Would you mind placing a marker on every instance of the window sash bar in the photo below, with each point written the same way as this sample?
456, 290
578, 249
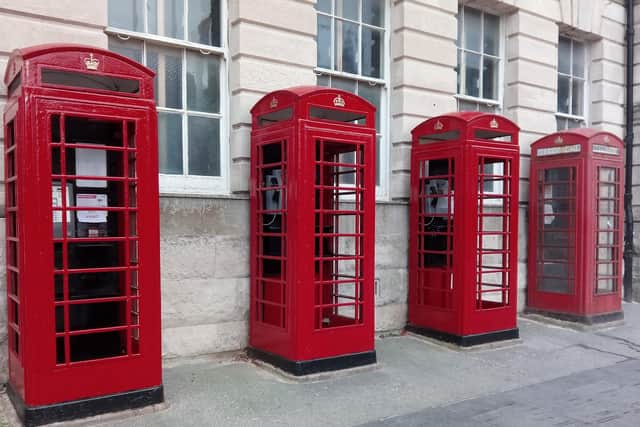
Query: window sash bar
165, 41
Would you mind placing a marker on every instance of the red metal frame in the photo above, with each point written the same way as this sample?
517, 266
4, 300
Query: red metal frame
68, 338
575, 265
463, 239
312, 224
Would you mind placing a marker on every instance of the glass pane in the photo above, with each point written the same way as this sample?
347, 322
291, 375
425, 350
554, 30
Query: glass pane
563, 94
347, 9
606, 285
166, 18
170, 142
564, 56
372, 94
607, 174
132, 49
204, 24
203, 82
557, 174
606, 237
607, 191
467, 106
323, 81
167, 85
472, 74
97, 346
573, 124
487, 108
346, 48
373, 12
126, 14
344, 84
324, 41
577, 97
491, 34
490, 78
204, 146
472, 29
578, 59
324, 6
372, 52
607, 207
561, 123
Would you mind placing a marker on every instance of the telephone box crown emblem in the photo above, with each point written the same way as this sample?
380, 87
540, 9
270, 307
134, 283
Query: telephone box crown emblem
274, 102
91, 63
493, 123
338, 101
438, 125
558, 140
606, 138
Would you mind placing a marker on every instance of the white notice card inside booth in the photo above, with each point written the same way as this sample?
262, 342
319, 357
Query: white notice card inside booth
91, 163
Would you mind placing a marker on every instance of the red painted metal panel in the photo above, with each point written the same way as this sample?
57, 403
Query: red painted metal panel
463, 225
312, 224
83, 275
576, 184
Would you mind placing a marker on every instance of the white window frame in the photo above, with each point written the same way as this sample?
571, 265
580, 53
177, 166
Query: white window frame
495, 103
479, 101
382, 189
583, 120
191, 184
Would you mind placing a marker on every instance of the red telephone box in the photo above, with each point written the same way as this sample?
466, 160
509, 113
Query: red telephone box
82, 233
312, 230
464, 228
575, 226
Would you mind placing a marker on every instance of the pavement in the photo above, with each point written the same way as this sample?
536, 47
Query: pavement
554, 375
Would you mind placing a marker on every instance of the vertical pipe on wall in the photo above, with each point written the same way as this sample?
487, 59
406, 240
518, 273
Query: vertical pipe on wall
628, 140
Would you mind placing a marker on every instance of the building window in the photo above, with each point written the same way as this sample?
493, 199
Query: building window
479, 61
572, 84
352, 55
181, 40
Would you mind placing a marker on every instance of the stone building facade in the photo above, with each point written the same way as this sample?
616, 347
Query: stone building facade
545, 64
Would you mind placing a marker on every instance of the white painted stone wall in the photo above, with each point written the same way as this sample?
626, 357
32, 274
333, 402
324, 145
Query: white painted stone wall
271, 44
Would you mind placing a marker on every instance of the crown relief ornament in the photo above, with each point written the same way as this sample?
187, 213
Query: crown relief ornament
338, 101
91, 63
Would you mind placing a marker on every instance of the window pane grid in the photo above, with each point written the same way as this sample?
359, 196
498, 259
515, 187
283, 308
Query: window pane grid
474, 63
188, 90
572, 81
341, 35
195, 21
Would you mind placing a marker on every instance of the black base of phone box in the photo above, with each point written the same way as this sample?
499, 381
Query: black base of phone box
466, 340
82, 408
594, 319
307, 367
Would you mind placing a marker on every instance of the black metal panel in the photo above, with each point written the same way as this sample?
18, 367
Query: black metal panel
307, 367
65, 411
466, 340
